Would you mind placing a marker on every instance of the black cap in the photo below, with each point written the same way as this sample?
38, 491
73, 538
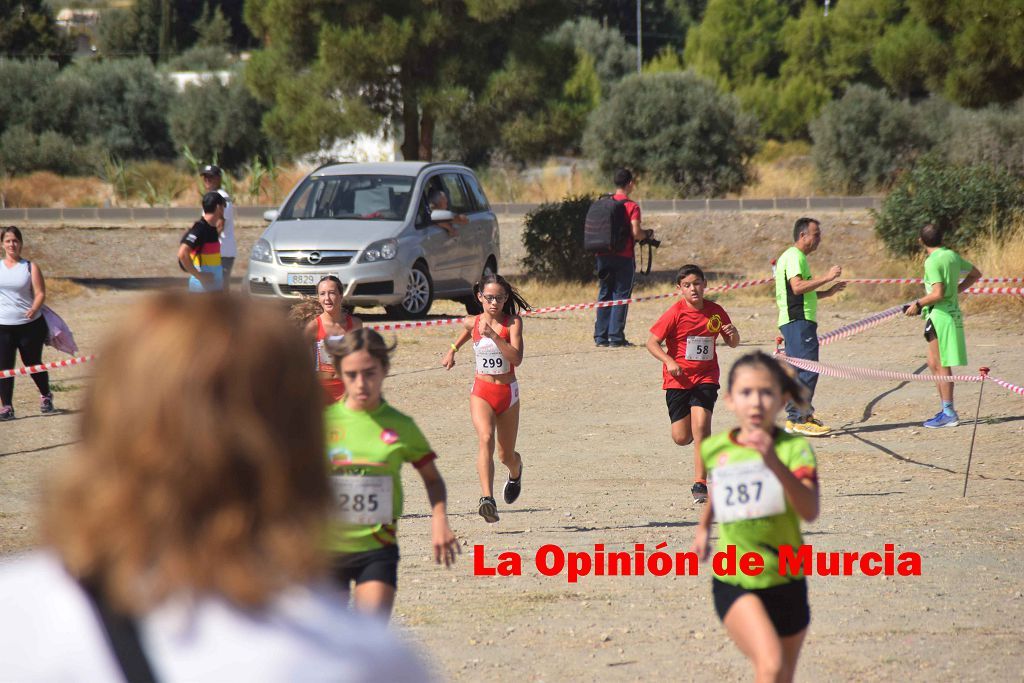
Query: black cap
210, 169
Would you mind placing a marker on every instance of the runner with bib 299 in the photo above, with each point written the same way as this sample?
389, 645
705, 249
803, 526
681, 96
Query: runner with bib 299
497, 336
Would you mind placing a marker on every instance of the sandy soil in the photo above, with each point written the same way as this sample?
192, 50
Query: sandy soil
601, 468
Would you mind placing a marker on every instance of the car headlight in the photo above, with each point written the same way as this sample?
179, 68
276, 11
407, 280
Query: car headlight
262, 252
384, 250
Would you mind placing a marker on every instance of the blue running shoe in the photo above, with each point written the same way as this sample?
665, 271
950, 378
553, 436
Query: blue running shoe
943, 420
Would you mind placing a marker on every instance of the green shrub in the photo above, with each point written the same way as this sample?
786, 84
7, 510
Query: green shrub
22, 151
993, 136
966, 201
31, 98
863, 141
213, 119
120, 104
678, 127
613, 56
553, 237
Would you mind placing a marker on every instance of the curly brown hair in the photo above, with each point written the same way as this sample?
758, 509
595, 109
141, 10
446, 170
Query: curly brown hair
193, 474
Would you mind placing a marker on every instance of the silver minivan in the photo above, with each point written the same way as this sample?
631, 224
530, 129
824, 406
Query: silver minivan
372, 227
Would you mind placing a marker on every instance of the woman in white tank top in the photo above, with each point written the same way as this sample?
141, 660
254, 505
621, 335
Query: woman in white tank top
22, 327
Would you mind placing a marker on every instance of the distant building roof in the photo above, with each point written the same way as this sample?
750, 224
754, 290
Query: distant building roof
68, 17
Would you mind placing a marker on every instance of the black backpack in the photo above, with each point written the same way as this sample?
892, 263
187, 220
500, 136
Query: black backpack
607, 225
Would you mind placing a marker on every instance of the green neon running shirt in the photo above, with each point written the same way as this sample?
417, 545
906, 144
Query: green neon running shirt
764, 535
945, 266
371, 443
792, 306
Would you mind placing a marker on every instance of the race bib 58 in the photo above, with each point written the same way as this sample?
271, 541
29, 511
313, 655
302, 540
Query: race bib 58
700, 348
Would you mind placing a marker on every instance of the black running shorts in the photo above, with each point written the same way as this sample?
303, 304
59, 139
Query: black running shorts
786, 605
372, 565
680, 401
929, 331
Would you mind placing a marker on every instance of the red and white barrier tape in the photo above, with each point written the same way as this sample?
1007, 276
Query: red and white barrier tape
995, 290
741, 285
917, 280
1006, 385
841, 333
848, 372
387, 327
859, 326
46, 366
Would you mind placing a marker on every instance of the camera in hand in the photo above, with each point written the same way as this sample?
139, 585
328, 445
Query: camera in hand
651, 241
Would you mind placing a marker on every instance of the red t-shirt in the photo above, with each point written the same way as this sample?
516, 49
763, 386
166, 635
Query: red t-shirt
632, 214
702, 328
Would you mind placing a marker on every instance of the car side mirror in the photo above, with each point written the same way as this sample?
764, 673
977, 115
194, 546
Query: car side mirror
271, 215
441, 216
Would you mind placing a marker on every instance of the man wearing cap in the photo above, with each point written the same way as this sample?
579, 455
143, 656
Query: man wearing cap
211, 175
199, 251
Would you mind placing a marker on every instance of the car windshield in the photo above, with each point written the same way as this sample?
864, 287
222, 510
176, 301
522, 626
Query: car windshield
350, 197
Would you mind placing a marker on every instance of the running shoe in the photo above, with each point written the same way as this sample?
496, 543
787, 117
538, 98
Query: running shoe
809, 427
700, 492
488, 510
7, 413
790, 427
600, 343
943, 420
621, 344
46, 404
513, 487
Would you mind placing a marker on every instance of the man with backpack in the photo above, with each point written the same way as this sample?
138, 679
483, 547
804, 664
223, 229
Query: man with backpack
613, 227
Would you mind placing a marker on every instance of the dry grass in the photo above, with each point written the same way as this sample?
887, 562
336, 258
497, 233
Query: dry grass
550, 183
46, 189
155, 183
782, 170
999, 258
60, 289
148, 183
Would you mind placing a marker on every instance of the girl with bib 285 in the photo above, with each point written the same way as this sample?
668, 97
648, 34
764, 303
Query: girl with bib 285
497, 336
368, 441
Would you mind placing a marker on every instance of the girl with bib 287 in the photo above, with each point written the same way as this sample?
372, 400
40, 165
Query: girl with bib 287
497, 336
763, 482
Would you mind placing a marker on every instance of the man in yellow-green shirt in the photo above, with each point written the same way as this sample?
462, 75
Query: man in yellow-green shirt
797, 297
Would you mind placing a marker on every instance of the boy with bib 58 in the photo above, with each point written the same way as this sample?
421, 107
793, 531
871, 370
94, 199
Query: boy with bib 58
690, 372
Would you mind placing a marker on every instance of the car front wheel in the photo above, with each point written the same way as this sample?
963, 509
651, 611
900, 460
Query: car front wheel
419, 294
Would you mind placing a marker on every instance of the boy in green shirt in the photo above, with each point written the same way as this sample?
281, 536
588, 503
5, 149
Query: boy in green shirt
944, 325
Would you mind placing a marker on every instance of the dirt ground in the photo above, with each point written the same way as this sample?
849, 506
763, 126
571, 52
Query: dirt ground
601, 468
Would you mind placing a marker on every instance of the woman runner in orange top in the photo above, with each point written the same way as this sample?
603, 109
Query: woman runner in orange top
497, 336
333, 321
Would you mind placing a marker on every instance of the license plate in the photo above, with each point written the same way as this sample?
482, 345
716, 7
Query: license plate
306, 278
